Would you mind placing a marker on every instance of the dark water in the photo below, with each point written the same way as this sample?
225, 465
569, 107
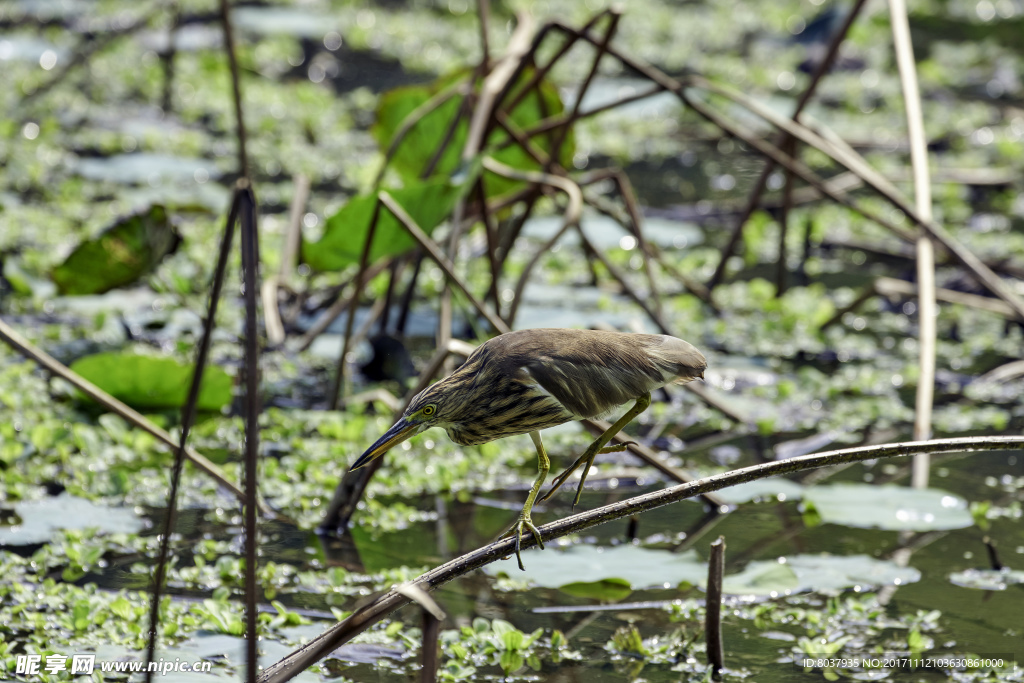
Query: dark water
972, 621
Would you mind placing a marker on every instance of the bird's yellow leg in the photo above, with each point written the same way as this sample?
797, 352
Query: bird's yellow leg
525, 521
598, 447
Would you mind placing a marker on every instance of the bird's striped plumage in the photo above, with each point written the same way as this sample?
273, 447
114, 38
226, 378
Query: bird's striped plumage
526, 381
530, 380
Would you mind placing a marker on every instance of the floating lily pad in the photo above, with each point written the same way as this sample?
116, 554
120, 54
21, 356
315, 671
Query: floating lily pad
762, 578
141, 167
428, 203
611, 573
40, 518
889, 507
153, 382
219, 649
120, 255
28, 48
631, 566
291, 21
988, 579
838, 572
775, 488
605, 233
819, 573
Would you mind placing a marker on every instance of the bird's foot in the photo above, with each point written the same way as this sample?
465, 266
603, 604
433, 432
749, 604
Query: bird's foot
617, 448
525, 522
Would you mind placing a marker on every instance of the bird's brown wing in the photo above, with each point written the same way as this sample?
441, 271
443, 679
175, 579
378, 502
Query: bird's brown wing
591, 372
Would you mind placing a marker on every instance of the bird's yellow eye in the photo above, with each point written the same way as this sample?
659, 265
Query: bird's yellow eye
429, 410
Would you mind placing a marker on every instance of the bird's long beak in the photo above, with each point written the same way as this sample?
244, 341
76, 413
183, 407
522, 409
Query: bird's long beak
398, 433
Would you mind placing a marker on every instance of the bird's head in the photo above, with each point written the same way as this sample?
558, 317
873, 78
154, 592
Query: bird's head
429, 408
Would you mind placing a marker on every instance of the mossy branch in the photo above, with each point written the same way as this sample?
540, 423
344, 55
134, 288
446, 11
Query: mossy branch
344, 631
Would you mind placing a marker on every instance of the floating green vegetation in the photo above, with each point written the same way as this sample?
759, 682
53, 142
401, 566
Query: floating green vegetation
124, 132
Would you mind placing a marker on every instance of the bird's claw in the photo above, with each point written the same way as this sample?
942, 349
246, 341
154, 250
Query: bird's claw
525, 522
616, 448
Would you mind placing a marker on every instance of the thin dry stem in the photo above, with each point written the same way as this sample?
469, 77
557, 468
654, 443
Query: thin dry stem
483, 10
573, 213
338, 307
713, 613
251, 413
431, 248
762, 181
459, 88
339, 377
271, 312
927, 309
188, 414
236, 88
292, 242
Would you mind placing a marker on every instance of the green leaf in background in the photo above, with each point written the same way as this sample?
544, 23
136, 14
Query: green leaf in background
510, 661
123, 609
153, 382
120, 255
605, 590
428, 203
80, 615
601, 573
417, 149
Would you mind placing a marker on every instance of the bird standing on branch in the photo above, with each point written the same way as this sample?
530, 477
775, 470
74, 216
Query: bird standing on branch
525, 381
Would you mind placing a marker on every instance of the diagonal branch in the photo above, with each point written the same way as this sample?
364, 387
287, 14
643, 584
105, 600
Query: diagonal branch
188, 414
762, 182
856, 163
572, 215
429, 246
327, 642
841, 154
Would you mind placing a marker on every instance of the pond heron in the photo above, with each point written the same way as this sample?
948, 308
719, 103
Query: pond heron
525, 381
